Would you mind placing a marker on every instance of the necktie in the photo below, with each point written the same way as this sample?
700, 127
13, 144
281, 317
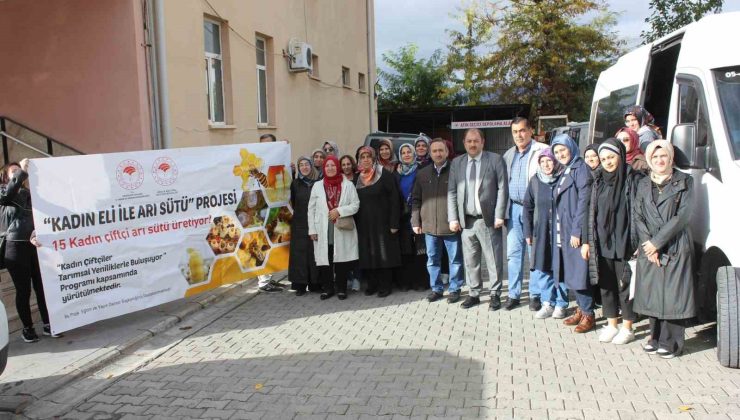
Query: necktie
471, 184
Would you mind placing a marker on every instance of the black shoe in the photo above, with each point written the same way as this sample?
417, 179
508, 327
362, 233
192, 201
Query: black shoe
369, 292
470, 302
511, 303
341, 296
47, 331
270, 288
535, 304
300, 292
434, 296
453, 297
29, 335
325, 296
495, 303
384, 293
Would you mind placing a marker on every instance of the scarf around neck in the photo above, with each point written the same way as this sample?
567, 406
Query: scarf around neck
658, 177
333, 184
312, 176
370, 175
407, 168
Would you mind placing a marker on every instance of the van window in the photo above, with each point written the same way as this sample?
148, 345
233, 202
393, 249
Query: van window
728, 87
690, 110
610, 112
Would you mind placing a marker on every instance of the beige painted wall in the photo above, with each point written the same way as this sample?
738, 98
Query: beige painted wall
307, 111
75, 70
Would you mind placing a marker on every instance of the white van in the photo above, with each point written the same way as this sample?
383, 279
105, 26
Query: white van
690, 82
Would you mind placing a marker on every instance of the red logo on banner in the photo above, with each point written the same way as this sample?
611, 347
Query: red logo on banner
164, 171
130, 174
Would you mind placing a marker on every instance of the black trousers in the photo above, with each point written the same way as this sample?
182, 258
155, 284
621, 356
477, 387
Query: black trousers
22, 262
614, 295
413, 272
334, 276
667, 334
378, 279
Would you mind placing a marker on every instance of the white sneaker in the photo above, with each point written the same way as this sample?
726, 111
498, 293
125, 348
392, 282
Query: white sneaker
545, 312
608, 333
625, 336
560, 312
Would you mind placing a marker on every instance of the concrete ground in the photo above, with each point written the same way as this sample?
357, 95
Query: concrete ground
279, 356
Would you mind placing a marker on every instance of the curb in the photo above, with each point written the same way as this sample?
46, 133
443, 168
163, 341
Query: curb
118, 351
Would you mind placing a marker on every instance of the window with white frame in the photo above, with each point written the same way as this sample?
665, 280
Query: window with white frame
262, 114
214, 72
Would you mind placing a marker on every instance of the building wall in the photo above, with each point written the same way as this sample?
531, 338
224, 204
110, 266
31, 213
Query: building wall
305, 110
75, 70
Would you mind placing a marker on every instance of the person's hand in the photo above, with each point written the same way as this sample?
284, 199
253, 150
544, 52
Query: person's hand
417, 230
314, 237
654, 258
333, 215
529, 241
649, 248
393, 231
498, 223
24, 164
575, 241
34, 240
455, 226
585, 251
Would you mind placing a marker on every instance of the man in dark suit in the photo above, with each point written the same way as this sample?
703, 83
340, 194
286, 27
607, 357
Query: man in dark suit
477, 198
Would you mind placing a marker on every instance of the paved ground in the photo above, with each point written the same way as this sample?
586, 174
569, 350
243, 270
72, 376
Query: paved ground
279, 356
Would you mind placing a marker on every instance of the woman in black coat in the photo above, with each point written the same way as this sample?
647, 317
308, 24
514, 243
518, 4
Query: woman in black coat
377, 224
537, 219
665, 288
413, 272
570, 210
20, 256
611, 241
302, 270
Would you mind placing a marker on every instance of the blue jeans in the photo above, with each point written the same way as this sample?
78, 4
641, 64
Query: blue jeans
553, 293
515, 245
585, 301
434, 261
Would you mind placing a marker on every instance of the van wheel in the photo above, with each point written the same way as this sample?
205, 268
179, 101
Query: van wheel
728, 317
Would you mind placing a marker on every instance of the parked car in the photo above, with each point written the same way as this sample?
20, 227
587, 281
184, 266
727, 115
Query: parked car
690, 81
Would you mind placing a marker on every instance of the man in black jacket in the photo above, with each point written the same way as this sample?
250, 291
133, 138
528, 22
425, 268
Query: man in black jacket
429, 216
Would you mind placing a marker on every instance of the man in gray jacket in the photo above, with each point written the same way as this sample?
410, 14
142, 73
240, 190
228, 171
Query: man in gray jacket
429, 216
476, 205
521, 165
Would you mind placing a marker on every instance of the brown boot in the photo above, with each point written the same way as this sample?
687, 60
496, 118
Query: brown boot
587, 324
574, 319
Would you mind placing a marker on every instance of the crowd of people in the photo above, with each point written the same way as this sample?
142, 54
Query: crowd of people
607, 227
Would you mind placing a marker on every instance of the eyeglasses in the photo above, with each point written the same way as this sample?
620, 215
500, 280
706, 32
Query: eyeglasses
329, 149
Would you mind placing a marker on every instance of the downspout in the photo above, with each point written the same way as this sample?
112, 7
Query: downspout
369, 14
161, 70
151, 73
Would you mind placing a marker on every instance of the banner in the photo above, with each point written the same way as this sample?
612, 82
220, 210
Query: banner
123, 232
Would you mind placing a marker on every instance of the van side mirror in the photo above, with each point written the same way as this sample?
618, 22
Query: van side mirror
683, 138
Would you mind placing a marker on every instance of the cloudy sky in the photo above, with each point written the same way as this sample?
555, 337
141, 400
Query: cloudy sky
423, 22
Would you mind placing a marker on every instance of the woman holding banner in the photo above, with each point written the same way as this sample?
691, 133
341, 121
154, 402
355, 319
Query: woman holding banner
302, 270
331, 226
18, 253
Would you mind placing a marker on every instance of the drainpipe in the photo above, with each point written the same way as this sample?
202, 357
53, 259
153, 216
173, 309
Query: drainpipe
369, 14
161, 71
153, 82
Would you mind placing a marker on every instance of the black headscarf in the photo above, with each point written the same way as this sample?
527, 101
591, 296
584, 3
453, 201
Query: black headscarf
595, 148
612, 206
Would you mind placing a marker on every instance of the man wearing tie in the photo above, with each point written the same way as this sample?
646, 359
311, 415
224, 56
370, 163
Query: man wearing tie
477, 198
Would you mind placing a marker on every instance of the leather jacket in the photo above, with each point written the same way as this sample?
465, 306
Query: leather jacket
16, 220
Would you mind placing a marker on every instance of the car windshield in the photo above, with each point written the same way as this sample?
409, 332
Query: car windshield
728, 86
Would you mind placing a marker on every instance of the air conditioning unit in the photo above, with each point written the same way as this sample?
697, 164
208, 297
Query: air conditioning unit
300, 56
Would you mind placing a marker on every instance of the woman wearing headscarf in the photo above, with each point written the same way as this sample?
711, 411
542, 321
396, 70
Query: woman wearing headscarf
591, 157
537, 218
319, 156
421, 147
631, 142
611, 243
665, 290
385, 155
570, 213
330, 148
331, 226
377, 223
641, 121
302, 270
413, 273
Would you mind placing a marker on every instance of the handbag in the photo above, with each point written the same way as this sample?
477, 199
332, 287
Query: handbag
345, 223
